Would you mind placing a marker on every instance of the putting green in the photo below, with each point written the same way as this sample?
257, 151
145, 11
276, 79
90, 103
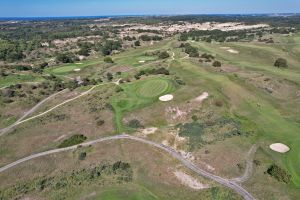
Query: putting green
152, 88
139, 94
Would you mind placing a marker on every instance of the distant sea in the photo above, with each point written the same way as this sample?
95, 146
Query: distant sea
122, 16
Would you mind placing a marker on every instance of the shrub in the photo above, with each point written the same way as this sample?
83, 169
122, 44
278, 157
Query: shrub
119, 89
217, 64
82, 156
163, 55
219, 103
73, 140
134, 123
137, 43
100, 122
281, 62
279, 174
108, 60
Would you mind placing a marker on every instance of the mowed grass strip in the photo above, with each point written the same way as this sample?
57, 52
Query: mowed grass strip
152, 88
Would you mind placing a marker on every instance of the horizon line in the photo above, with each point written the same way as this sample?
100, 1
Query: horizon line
150, 15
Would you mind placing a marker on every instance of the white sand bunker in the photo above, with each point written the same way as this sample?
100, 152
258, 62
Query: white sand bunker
142, 61
279, 147
189, 181
230, 50
202, 97
76, 70
167, 97
78, 63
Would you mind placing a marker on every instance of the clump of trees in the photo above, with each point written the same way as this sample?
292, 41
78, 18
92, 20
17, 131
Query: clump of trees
163, 55
73, 140
189, 49
137, 43
153, 71
279, 174
281, 63
149, 38
109, 46
217, 64
65, 58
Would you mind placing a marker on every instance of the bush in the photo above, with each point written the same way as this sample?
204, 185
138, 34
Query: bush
108, 60
82, 156
163, 55
73, 140
281, 62
219, 103
137, 43
217, 64
119, 89
64, 58
279, 174
134, 123
100, 122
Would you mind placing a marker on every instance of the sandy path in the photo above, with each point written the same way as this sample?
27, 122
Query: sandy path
225, 182
32, 110
21, 121
249, 165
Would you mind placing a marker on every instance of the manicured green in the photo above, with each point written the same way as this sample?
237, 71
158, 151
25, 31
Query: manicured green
138, 95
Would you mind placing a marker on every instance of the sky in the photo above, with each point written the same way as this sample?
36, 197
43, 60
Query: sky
58, 8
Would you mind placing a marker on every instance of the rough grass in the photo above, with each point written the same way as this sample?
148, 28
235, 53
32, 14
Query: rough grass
19, 78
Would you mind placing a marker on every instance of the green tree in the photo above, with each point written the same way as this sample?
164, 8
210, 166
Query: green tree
163, 55
217, 64
281, 62
108, 60
137, 43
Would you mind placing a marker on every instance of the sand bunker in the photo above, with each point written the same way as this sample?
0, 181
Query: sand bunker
142, 61
167, 97
189, 181
76, 70
78, 63
230, 50
202, 97
279, 147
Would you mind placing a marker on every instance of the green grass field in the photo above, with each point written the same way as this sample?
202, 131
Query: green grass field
19, 78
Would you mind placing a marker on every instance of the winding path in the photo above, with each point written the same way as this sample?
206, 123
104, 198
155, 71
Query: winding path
225, 182
32, 110
20, 121
249, 165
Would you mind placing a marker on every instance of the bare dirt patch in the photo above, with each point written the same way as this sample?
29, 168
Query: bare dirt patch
189, 181
202, 97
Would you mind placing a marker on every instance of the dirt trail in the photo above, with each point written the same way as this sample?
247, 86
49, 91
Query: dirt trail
32, 110
21, 121
249, 165
225, 182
